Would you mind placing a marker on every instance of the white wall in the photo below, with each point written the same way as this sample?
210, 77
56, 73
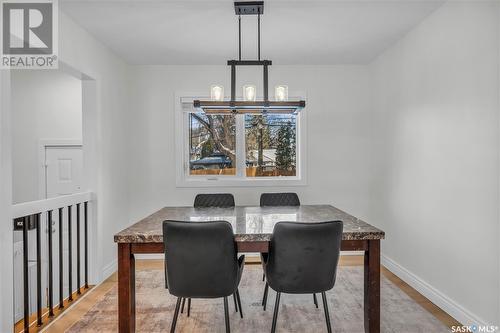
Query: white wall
105, 134
46, 104
437, 103
338, 117
6, 235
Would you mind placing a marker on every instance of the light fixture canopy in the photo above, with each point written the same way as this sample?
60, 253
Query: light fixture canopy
250, 104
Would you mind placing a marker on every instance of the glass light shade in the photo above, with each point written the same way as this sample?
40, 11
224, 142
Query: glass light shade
281, 93
217, 93
249, 92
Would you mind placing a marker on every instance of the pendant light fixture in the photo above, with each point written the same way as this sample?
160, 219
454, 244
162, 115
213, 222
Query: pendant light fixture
250, 103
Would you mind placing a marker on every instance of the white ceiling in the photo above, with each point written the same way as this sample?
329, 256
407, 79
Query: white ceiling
206, 32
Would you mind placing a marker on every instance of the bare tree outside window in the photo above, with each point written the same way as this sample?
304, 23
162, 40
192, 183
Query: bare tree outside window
270, 145
212, 142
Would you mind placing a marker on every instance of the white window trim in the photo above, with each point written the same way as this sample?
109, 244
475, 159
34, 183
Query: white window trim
182, 154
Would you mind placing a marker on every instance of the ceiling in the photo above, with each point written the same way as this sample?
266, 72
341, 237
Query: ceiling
206, 32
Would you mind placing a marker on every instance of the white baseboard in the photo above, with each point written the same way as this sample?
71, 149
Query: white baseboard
464, 316
109, 269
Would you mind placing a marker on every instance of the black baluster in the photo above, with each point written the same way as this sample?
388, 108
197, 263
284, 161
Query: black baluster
70, 262
61, 296
51, 288
85, 210
25, 275
38, 270
78, 249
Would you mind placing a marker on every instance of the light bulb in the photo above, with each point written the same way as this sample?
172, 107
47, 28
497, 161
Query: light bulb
249, 92
217, 93
281, 93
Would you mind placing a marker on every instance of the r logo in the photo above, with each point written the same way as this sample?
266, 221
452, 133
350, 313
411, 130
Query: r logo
27, 28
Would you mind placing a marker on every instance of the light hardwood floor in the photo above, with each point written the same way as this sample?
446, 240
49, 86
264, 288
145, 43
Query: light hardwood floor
78, 310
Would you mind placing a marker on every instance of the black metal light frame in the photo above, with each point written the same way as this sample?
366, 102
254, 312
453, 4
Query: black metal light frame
251, 107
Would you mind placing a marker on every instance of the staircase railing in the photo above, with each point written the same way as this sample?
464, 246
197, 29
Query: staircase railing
30, 216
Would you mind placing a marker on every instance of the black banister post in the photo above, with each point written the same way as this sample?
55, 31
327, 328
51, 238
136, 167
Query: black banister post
38, 270
85, 208
50, 287
70, 259
25, 275
61, 261
78, 249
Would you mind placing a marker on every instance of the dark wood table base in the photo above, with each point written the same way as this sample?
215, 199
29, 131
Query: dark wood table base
126, 278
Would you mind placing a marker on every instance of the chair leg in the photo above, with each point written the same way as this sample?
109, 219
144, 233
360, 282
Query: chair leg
176, 314
264, 299
226, 315
327, 314
315, 300
276, 308
263, 276
235, 304
239, 303
189, 306
182, 308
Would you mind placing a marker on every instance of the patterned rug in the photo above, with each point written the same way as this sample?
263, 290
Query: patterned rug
155, 307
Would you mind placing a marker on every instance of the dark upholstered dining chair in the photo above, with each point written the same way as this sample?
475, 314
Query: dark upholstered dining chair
303, 259
214, 200
201, 262
279, 199
276, 200
221, 200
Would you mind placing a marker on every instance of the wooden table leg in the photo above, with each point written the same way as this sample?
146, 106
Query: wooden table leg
126, 289
372, 287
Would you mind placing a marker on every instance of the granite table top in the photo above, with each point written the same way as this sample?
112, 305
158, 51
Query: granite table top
250, 224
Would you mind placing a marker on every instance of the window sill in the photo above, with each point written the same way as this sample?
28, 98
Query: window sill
239, 182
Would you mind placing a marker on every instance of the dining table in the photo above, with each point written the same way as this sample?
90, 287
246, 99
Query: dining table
253, 228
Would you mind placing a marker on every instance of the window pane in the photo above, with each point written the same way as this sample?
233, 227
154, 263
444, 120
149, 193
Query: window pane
212, 144
270, 145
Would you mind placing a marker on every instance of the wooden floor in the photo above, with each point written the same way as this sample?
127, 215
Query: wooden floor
34, 328
77, 311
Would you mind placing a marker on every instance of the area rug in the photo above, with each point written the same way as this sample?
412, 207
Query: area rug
155, 308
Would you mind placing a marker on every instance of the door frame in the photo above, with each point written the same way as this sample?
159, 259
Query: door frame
43, 144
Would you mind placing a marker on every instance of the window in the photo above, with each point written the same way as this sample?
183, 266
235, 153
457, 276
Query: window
238, 149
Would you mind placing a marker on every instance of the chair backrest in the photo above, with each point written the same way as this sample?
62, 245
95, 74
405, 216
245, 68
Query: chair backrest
303, 257
200, 259
214, 200
279, 199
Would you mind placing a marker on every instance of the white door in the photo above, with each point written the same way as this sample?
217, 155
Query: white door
63, 176
64, 170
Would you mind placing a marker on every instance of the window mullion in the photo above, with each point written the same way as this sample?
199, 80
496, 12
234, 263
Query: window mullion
240, 146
